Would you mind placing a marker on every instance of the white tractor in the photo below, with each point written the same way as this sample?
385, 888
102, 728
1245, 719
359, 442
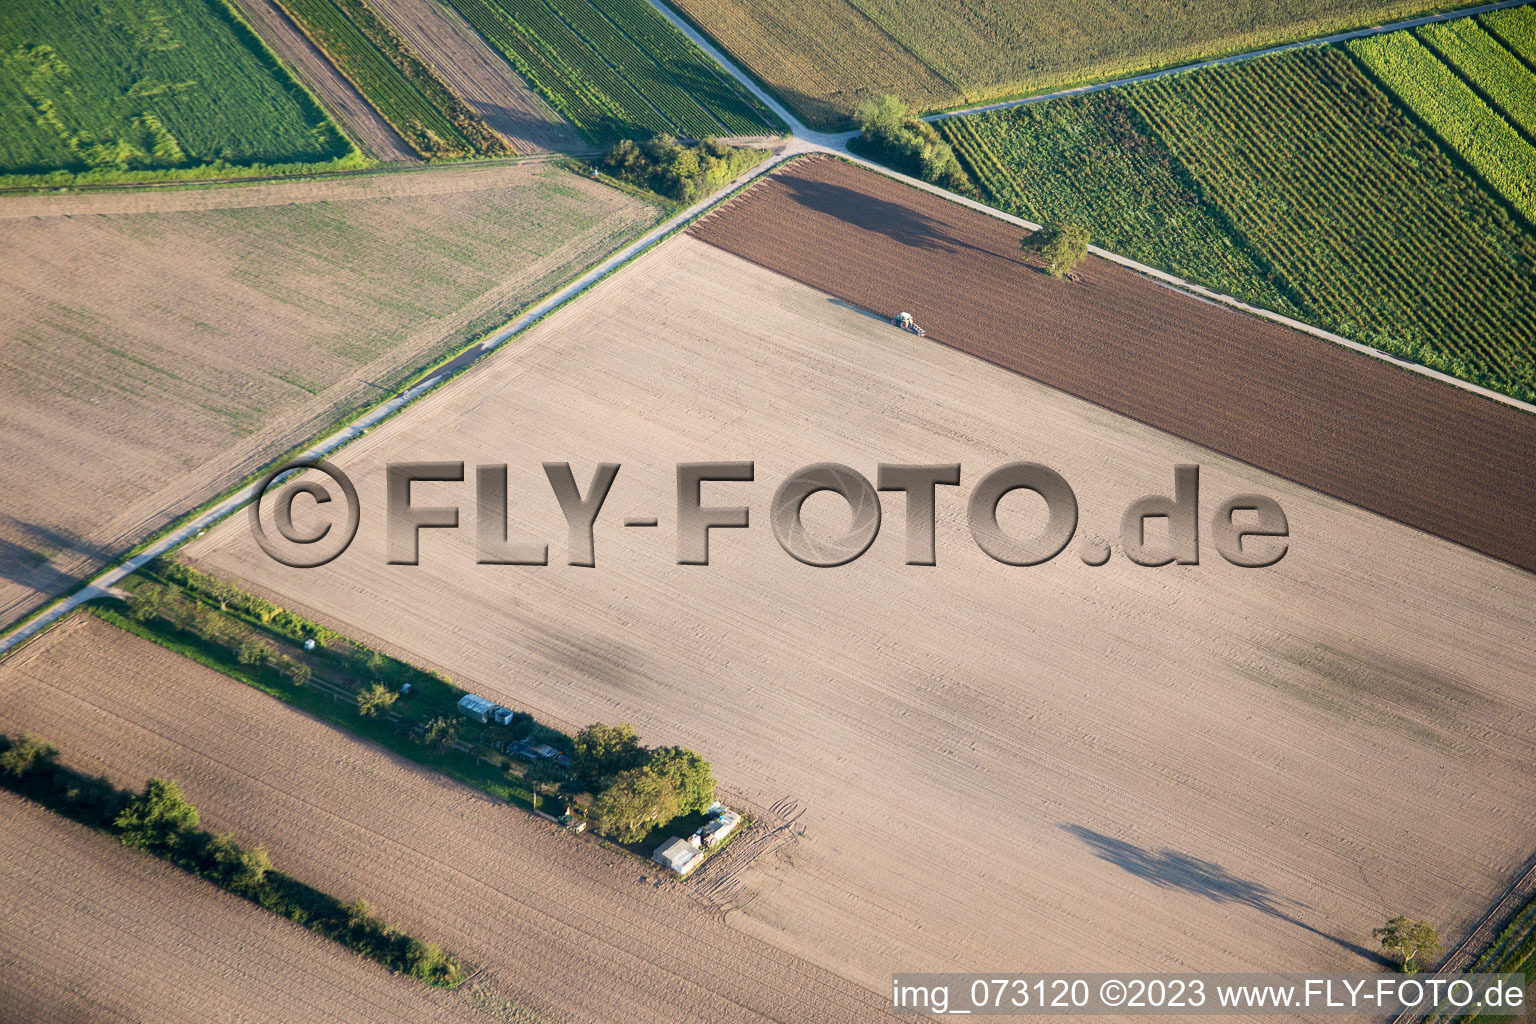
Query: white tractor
906, 323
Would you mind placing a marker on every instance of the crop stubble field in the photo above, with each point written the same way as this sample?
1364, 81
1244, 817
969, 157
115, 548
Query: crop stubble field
1061, 767
160, 347
93, 931
554, 929
824, 57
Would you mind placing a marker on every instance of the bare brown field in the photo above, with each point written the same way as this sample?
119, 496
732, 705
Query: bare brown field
339, 96
1059, 767
158, 348
95, 932
553, 928
480, 76
1392, 441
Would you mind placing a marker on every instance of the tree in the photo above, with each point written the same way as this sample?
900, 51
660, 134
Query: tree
254, 652
689, 775
254, 865
892, 134
886, 114
1409, 942
1061, 247
157, 819
375, 699
25, 753
442, 734
602, 751
298, 672
633, 802
146, 602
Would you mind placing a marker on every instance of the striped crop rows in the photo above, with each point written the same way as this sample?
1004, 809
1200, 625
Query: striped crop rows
1377, 191
399, 85
615, 68
1359, 212
1456, 113
1498, 74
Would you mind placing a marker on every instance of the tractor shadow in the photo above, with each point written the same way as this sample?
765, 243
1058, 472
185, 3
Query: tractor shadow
1171, 869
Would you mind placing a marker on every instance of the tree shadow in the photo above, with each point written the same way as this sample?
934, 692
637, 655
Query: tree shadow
1171, 869
897, 221
31, 561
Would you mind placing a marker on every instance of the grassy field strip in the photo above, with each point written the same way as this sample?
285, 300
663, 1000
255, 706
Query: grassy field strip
403, 89
100, 585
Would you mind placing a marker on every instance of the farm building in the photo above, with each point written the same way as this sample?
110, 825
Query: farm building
677, 854
477, 708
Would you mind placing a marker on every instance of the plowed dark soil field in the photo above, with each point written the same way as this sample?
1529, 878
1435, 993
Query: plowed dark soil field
1394, 442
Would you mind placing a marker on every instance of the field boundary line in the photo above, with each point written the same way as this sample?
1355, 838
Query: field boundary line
217, 510
1232, 58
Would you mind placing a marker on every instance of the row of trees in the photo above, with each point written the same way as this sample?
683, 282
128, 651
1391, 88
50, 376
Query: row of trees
637, 788
162, 822
681, 172
157, 601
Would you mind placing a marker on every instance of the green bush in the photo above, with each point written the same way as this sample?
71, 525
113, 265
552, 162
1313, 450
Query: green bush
896, 137
1060, 246
684, 173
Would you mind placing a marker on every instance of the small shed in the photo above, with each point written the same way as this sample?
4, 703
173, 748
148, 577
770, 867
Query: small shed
477, 708
678, 855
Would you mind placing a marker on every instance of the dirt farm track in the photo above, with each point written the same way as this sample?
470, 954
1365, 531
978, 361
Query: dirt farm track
1059, 767
1397, 443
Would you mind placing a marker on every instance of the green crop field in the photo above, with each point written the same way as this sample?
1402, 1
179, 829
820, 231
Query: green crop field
1295, 182
1456, 113
1496, 72
400, 86
823, 57
96, 90
616, 68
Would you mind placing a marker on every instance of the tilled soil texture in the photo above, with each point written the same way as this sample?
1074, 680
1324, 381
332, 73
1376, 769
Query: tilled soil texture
1391, 441
1060, 767
91, 931
480, 76
158, 347
554, 927
339, 96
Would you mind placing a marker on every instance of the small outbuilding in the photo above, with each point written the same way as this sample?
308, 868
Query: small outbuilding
678, 855
477, 708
